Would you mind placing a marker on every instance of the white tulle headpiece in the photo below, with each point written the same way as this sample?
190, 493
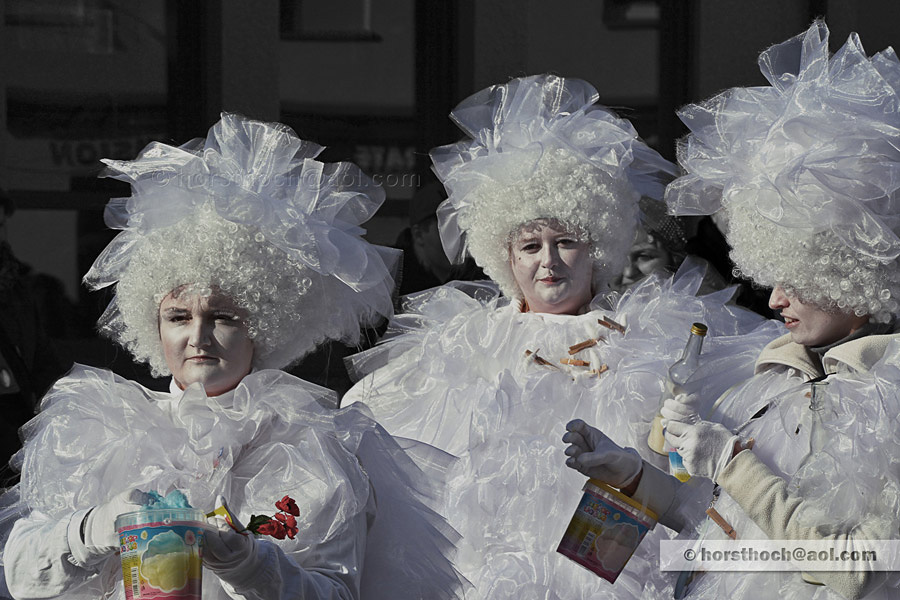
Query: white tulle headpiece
249, 212
540, 148
807, 171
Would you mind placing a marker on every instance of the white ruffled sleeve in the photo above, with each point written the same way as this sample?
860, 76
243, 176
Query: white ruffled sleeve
43, 559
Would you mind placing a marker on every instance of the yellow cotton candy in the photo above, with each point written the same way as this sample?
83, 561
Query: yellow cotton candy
166, 571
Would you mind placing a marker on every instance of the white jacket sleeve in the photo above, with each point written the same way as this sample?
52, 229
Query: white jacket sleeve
270, 574
765, 498
45, 558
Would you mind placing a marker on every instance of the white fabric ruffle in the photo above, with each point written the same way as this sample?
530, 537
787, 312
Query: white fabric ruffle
458, 377
99, 434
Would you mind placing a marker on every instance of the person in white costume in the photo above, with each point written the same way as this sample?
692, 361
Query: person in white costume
238, 254
805, 171
544, 195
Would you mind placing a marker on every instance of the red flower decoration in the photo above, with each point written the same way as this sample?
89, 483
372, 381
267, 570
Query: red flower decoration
272, 528
288, 505
289, 522
283, 524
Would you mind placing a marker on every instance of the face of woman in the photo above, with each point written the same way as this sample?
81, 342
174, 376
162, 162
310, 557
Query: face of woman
647, 256
552, 268
810, 325
205, 340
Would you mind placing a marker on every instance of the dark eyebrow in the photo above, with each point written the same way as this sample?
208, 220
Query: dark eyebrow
222, 306
175, 311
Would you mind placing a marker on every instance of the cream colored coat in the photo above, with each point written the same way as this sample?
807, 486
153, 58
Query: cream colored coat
763, 495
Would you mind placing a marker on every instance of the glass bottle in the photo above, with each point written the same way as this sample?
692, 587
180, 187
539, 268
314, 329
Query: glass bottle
679, 373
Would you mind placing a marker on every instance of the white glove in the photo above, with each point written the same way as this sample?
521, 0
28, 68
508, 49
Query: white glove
224, 548
705, 447
99, 525
595, 455
684, 408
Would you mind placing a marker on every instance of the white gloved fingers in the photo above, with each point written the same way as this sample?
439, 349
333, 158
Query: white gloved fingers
577, 444
675, 430
226, 536
678, 442
677, 412
624, 464
100, 522
706, 449
572, 463
692, 402
673, 410
592, 453
575, 438
579, 430
574, 451
591, 460
577, 425
672, 441
583, 438
615, 466
592, 437
224, 548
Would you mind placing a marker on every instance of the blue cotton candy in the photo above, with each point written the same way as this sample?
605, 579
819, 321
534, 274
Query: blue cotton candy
174, 499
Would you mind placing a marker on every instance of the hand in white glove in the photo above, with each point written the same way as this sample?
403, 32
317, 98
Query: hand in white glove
224, 548
684, 408
595, 455
705, 447
99, 525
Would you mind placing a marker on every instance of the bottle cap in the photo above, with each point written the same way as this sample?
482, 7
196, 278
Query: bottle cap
699, 329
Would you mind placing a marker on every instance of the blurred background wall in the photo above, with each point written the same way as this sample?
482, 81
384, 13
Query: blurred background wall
82, 80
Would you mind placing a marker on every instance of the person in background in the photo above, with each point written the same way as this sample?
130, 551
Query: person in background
424, 263
659, 244
29, 363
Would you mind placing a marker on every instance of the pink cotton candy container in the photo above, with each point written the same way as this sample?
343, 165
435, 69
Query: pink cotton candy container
161, 551
605, 530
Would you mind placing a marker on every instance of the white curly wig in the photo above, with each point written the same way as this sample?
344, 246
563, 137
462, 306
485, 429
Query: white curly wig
246, 212
542, 150
807, 172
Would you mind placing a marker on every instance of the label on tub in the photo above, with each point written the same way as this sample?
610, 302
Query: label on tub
162, 561
605, 530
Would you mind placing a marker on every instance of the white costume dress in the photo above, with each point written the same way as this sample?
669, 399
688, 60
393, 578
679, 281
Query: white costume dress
850, 488
363, 528
462, 378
